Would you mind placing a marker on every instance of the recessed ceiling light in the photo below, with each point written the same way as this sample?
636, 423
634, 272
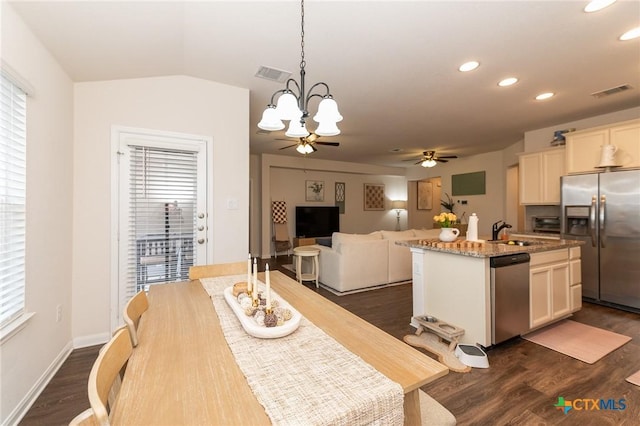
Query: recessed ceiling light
631, 34
543, 96
508, 82
596, 5
469, 66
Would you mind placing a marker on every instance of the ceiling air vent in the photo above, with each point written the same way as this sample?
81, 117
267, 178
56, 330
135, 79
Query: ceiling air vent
273, 74
612, 91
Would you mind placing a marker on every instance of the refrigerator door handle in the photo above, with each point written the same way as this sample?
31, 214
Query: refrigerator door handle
603, 232
592, 221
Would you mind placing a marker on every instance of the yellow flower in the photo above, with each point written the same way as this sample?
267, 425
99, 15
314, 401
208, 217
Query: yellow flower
445, 219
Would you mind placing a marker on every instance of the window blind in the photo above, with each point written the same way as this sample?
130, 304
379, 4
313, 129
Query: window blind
13, 130
162, 216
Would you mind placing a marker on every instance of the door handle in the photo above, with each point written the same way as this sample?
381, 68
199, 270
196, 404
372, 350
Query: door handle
592, 221
602, 218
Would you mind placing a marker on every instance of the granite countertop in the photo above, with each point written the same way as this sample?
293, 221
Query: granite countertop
485, 248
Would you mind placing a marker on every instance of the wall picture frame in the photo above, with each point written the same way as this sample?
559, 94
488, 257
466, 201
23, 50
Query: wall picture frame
314, 190
341, 196
425, 195
373, 196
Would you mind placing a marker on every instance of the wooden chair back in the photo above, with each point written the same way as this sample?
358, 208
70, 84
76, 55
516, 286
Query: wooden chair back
105, 371
134, 309
217, 270
86, 418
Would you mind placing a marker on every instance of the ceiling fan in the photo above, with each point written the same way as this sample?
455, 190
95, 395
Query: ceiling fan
429, 159
306, 145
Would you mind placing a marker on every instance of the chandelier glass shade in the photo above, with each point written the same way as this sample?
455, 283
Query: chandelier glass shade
293, 105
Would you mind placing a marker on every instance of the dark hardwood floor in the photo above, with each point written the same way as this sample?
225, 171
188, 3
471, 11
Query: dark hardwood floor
520, 387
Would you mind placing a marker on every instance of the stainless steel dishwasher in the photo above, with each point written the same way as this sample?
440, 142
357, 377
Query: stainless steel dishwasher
509, 296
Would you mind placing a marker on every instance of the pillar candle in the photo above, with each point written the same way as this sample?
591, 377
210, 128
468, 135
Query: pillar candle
268, 286
255, 279
249, 274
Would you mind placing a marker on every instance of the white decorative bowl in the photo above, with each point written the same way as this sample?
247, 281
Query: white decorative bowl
253, 328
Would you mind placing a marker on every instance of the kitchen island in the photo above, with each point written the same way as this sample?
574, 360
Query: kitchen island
452, 282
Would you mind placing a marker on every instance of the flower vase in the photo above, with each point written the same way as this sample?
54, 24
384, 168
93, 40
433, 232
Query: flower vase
448, 234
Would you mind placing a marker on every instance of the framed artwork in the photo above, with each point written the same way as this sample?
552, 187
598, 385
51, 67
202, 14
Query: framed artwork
425, 195
314, 190
340, 196
373, 196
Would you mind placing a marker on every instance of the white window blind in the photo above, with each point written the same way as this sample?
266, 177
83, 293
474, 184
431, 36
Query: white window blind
13, 131
162, 215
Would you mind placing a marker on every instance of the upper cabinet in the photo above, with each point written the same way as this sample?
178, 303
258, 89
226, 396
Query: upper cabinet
540, 174
584, 148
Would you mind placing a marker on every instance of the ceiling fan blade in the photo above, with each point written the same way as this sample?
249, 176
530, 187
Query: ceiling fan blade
328, 143
313, 147
418, 162
447, 156
441, 160
289, 146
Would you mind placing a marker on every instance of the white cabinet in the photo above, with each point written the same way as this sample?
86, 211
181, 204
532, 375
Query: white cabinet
549, 289
540, 176
583, 148
575, 278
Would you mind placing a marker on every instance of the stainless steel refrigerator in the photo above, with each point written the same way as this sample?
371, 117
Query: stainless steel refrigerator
603, 210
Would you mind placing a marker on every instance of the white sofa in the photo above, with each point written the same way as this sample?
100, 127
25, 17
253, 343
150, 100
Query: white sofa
357, 261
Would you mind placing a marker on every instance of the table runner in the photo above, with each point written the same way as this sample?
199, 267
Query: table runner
307, 377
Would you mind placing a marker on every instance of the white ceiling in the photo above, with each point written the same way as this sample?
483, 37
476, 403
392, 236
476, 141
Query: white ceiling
391, 65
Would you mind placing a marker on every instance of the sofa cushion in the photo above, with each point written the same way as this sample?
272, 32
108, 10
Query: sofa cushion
338, 238
398, 235
426, 234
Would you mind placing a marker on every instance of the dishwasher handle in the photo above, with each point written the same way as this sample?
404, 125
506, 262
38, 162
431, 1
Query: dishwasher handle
508, 260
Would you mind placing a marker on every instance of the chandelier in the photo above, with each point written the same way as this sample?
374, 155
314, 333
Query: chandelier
293, 104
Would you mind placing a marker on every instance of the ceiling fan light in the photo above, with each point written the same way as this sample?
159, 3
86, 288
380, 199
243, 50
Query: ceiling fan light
287, 107
297, 129
596, 5
327, 111
631, 34
327, 128
301, 148
270, 120
428, 163
308, 149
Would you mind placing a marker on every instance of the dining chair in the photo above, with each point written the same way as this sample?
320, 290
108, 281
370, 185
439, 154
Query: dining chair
86, 418
134, 309
104, 373
217, 270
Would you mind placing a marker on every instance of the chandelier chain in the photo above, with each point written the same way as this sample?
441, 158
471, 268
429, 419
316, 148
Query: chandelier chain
302, 61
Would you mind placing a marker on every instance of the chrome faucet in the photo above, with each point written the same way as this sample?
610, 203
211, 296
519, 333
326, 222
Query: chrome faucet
497, 227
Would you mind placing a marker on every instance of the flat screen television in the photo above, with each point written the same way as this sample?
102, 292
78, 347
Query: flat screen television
317, 221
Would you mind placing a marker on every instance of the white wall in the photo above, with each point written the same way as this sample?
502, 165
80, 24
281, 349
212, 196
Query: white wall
284, 177
176, 104
30, 357
490, 206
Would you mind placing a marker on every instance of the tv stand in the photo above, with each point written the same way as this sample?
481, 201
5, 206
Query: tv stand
302, 241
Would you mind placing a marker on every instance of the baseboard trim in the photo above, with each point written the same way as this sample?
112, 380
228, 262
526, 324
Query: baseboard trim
25, 404
91, 340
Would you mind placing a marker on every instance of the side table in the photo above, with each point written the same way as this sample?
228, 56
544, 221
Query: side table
307, 251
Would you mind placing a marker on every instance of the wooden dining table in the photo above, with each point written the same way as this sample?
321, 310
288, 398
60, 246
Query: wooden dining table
184, 373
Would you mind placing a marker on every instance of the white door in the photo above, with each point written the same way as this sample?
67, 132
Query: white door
162, 210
